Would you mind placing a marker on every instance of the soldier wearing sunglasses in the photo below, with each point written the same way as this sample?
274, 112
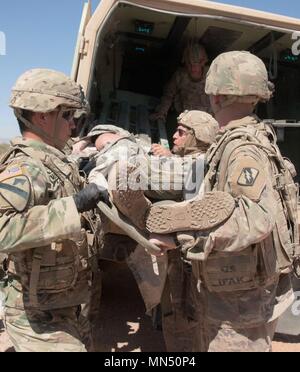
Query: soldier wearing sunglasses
46, 220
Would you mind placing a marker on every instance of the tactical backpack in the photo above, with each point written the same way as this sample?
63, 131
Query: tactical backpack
286, 243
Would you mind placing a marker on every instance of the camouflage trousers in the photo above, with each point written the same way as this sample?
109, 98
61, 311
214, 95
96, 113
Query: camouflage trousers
92, 312
221, 337
188, 327
72, 329
179, 314
63, 330
215, 335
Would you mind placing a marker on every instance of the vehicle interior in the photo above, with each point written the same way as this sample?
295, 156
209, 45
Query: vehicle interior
139, 49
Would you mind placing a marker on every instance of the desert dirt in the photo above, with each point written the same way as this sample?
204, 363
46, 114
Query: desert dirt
123, 325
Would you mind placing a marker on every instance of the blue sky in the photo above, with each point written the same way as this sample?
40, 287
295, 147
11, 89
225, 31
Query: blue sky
42, 33
39, 33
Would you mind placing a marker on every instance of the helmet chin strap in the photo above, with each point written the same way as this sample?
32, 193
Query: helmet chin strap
190, 147
41, 133
33, 128
57, 143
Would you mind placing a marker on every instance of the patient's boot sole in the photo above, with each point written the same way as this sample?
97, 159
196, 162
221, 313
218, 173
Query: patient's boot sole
198, 214
132, 203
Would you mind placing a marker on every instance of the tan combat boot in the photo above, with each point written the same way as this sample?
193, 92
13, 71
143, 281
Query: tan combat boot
131, 202
197, 214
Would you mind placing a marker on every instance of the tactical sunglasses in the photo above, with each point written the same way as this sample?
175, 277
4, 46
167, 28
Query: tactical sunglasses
68, 115
182, 132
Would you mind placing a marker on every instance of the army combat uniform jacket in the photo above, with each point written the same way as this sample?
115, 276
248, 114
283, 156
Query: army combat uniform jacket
185, 93
45, 238
243, 264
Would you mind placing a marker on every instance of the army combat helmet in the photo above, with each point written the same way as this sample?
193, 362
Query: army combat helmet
45, 91
203, 130
99, 129
84, 111
240, 77
82, 120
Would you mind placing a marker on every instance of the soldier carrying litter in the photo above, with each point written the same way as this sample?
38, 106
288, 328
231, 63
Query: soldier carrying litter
242, 266
43, 227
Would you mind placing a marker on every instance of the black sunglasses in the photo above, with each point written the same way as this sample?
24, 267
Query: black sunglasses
182, 132
68, 115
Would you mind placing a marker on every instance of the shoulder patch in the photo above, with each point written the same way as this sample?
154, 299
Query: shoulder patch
11, 171
248, 177
15, 192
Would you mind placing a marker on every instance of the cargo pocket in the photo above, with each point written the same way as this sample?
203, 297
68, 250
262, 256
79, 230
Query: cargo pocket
228, 272
59, 268
268, 269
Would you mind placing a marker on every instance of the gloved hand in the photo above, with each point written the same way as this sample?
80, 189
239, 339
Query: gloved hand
88, 198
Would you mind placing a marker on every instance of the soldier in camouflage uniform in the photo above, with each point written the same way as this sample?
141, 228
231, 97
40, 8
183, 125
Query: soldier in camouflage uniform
186, 89
241, 266
196, 132
106, 146
141, 176
44, 229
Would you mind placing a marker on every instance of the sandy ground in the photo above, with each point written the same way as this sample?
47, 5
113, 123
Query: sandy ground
5, 345
285, 347
124, 327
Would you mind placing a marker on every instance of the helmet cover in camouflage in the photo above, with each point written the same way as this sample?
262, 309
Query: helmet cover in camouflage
239, 74
205, 127
43, 90
102, 128
194, 53
84, 111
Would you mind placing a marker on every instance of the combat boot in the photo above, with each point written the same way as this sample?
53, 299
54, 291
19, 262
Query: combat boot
128, 197
194, 215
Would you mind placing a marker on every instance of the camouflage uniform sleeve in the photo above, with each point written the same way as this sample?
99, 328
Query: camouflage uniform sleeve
249, 181
98, 175
165, 177
107, 160
27, 219
169, 94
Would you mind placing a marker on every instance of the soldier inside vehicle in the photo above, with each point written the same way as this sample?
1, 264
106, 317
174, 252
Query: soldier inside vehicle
140, 50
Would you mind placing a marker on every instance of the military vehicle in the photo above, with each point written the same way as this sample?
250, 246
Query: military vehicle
128, 49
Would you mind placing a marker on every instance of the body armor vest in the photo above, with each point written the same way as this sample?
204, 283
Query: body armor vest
55, 276
260, 264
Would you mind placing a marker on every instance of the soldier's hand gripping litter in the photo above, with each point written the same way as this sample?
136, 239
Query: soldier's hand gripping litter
89, 197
